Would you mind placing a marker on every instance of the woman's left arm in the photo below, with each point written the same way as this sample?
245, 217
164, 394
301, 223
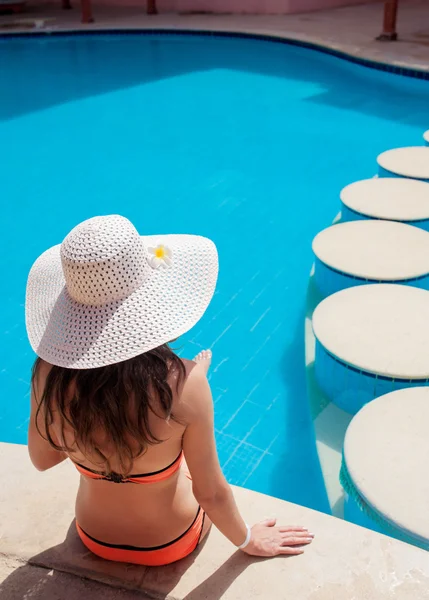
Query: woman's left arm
42, 454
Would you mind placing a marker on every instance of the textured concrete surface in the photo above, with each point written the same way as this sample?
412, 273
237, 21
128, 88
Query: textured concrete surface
344, 561
351, 29
20, 581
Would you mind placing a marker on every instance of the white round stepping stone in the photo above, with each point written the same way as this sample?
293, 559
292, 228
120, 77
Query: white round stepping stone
361, 252
385, 468
371, 340
426, 137
392, 199
382, 329
412, 162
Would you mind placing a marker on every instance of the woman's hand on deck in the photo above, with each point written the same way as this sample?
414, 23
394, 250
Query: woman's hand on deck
268, 540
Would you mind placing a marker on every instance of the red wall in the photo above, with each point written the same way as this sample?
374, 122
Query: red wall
238, 6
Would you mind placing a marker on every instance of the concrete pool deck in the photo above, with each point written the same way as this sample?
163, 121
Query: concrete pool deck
351, 30
41, 552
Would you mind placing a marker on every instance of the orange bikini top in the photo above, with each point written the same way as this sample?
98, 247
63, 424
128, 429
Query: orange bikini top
142, 478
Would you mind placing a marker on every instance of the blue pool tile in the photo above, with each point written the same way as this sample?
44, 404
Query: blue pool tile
226, 405
264, 433
242, 464
226, 446
350, 388
291, 478
242, 423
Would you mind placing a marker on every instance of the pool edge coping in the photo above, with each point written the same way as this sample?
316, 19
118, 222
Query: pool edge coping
220, 568
291, 40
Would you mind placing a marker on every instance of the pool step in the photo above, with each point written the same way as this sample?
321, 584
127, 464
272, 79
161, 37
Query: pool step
411, 162
384, 471
387, 198
371, 251
330, 428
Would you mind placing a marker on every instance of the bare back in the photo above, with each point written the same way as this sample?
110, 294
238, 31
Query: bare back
141, 515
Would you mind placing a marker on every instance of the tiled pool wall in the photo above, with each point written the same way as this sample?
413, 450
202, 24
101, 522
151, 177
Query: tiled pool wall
347, 214
385, 173
329, 281
351, 388
358, 511
354, 514
404, 71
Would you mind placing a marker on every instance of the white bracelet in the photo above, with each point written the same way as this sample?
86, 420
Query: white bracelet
247, 540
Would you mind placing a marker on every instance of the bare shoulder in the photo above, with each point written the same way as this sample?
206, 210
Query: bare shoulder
196, 379
195, 397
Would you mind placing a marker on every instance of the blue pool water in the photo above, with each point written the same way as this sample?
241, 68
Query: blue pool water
247, 142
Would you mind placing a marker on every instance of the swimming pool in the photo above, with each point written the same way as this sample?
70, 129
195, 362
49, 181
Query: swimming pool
245, 141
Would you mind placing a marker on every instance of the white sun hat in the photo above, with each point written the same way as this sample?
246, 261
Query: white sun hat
106, 294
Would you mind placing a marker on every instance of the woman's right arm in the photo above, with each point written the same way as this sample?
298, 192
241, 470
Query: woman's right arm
210, 488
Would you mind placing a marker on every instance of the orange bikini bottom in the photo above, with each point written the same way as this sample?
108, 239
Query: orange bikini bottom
150, 557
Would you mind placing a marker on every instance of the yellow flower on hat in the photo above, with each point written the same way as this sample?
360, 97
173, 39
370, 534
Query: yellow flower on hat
160, 255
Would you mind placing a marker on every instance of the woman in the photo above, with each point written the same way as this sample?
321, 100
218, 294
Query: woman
109, 393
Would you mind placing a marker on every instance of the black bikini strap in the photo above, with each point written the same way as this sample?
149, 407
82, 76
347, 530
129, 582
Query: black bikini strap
117, 478
138, 548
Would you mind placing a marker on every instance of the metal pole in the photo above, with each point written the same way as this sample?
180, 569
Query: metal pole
66, 4
87, 12
389, 33
151, 7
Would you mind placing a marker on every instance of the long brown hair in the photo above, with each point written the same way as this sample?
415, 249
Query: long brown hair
115, 400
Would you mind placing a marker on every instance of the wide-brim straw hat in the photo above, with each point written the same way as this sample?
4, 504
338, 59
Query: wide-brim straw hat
107, 294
